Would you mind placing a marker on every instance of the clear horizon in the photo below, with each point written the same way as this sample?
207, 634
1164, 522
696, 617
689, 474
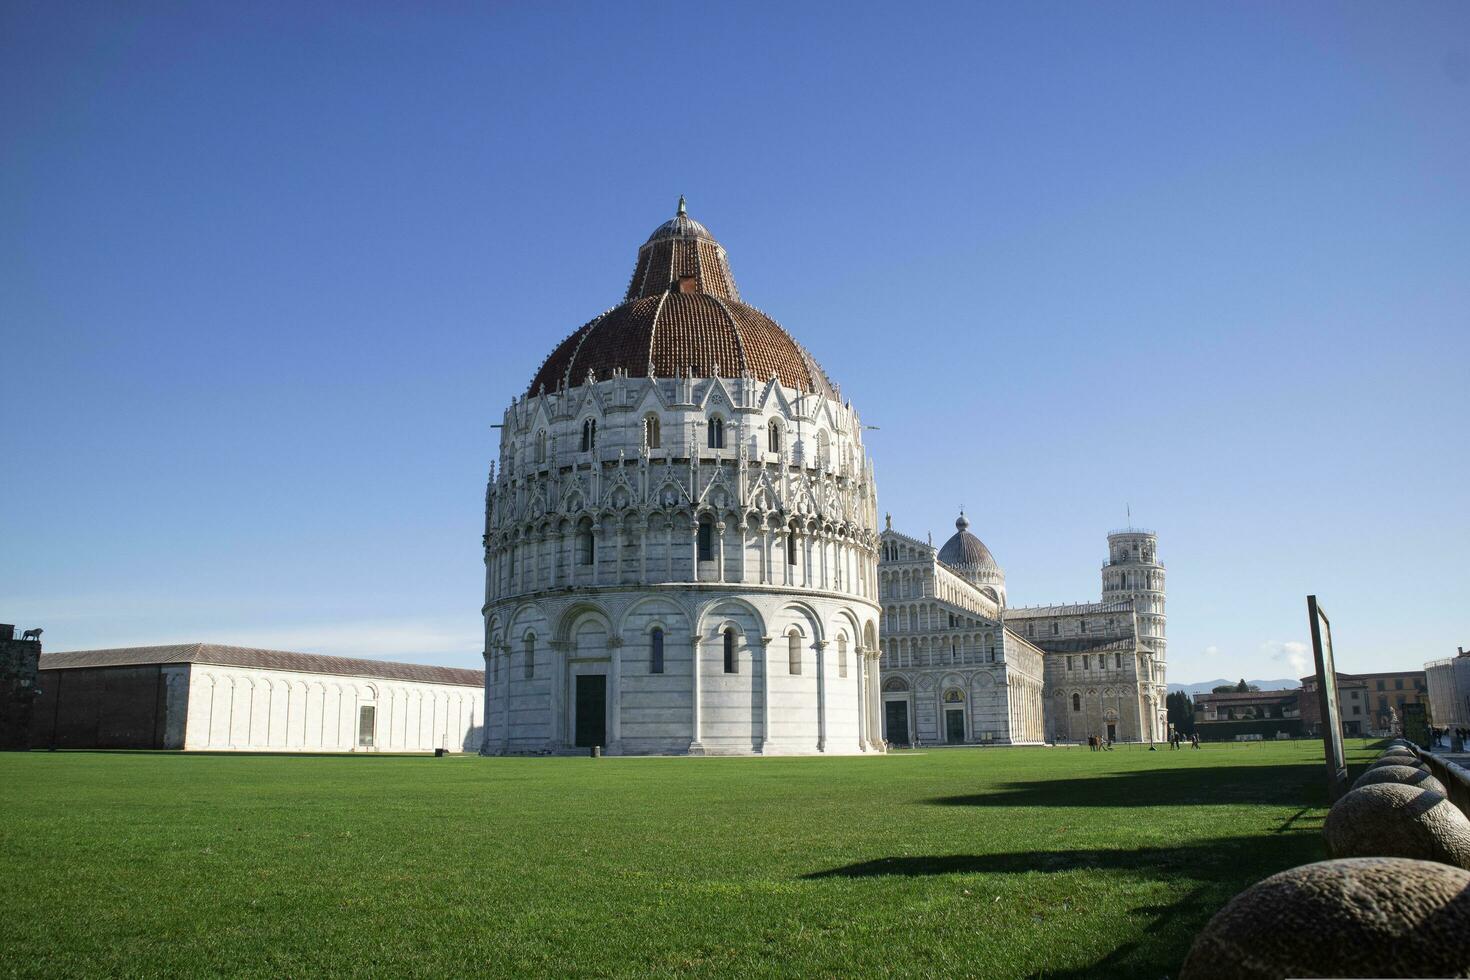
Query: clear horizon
272, 272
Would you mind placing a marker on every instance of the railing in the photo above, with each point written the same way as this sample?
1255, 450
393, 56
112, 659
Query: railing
1455, 778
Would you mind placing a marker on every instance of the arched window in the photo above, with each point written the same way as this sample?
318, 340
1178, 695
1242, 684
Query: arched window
589, 435
717, 433
729, 649
541, 446
823, 448
793, 652
652, 437
1076, 702
530, 655
656, 651
841, 655
586, 547
791, 546
1056, 629
773, 436
706, 539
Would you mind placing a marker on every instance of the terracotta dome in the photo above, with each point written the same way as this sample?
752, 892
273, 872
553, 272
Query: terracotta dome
682, 314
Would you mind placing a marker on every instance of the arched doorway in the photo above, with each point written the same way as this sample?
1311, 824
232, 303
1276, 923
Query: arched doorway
953, 705
897, 712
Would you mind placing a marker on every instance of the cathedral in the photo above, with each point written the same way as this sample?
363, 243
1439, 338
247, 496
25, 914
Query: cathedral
962, 667
682, 556
681, 539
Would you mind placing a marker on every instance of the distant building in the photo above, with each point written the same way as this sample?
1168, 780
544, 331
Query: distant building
204, 696
1368, 704
1447, 684
960, 666
1227, 714
18, 660
1390, 693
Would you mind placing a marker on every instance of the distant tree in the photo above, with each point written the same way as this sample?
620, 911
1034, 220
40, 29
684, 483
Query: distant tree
1181, 712
1242, 687
1223, 689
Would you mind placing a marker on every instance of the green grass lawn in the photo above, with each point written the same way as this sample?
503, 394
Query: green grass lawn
999, 862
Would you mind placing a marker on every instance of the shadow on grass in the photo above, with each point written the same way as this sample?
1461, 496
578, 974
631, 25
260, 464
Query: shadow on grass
1219, 860
1216, 869
1293, 785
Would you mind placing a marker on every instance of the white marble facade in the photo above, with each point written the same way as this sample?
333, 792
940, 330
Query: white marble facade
638, 555
962, 667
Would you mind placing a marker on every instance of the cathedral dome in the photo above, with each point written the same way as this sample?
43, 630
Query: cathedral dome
682, 314
966, 552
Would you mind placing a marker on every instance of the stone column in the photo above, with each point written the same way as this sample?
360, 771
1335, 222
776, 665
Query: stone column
598, 543
696, 747
720, 549
618, 534
560, 735
875, 702
694, 552
614, 694
821, 647
862, 696
765, 645
643, 552
740, 527
504, 697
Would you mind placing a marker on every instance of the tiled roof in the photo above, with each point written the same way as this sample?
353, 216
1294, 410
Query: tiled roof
1249, 696
1069, 609
1087, 644
228, 656
682, 313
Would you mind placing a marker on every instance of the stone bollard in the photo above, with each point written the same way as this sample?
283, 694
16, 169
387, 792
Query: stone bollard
1362, 917
1408, 775
1397, 820
597, 752
1398, 760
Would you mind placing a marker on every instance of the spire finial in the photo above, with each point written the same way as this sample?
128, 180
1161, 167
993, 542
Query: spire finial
683, 210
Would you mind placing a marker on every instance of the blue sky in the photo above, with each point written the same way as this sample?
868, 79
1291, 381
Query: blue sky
269, 272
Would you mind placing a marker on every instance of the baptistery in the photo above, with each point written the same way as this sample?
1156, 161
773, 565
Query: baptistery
681, 534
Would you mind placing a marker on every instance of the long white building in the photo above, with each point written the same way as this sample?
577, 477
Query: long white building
208, 696
681, 534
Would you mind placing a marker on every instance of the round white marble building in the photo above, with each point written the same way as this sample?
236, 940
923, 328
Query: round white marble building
681, 536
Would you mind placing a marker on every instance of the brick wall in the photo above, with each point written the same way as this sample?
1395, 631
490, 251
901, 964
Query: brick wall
100, 708
18, 660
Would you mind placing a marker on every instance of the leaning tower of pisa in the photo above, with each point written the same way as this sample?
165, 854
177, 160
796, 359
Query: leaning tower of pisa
1133, 572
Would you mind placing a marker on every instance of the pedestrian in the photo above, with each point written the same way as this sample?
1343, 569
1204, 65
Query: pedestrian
1194, 740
